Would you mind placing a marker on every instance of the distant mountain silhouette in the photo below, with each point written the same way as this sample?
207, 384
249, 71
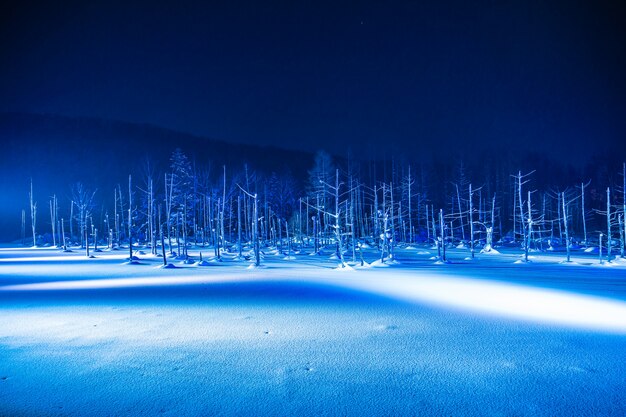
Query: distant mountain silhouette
57, 151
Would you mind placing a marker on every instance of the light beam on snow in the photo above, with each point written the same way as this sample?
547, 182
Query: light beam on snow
502, 299
136, 282
78, 256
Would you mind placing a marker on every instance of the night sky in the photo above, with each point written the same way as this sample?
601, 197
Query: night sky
311, 75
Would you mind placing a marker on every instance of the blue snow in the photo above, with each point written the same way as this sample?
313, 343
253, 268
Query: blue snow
96, 337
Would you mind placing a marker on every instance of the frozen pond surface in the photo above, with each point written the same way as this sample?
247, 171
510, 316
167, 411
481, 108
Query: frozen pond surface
486, 336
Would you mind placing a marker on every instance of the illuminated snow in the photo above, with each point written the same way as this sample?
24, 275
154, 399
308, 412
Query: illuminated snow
300, 337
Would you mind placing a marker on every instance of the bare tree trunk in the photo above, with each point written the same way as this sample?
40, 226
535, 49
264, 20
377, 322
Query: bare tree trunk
239, 244
434, 222
223, 233
376, 228
558, 205
493, 212
71, 220
63, 233
130, 220
168, 210
33, 213
471, 221
185, 226
600, 248
427, 227
255, 228
288, 239
337, 221
567, 245
623, 228
489, 229
608, 225
393, 228
521, 205
384, 247
257, 249
443, 236
352, 227
582, 208
316, 245
53, 222
529, 228
410, 212
86, 234
117, 229
308, 242
458, 197
621, 234
515, 215
151, 216
163, 247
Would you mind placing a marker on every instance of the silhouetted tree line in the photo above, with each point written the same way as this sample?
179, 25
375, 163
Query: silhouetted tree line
344, 204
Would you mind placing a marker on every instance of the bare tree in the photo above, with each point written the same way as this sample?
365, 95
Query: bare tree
471, 220
83, 200
53, 212
623, 216
63, 234
337, 216
33, 213
520, 181
255, 227
567, 240
130, 219
442, 241
583, 210
168, 209
609, 237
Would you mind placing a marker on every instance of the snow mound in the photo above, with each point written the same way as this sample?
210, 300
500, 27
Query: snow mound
492, 251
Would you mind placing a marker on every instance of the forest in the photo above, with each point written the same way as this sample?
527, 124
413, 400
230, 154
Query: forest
344, 206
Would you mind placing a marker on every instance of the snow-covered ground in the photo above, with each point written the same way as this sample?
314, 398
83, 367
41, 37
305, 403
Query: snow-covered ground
299, 337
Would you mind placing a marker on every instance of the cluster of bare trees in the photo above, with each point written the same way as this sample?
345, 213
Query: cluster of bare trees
345, 205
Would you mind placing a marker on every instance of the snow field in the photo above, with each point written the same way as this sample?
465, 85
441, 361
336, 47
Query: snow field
484, 337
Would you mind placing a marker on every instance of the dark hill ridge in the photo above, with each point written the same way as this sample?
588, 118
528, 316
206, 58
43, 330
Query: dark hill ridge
32, 133
57, 151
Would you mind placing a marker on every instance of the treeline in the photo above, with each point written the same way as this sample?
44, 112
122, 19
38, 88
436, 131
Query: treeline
344, 204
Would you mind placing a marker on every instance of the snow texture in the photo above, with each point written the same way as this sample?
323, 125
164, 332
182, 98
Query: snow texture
302, 337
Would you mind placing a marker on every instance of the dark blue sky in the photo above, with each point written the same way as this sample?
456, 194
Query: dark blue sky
310, 74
